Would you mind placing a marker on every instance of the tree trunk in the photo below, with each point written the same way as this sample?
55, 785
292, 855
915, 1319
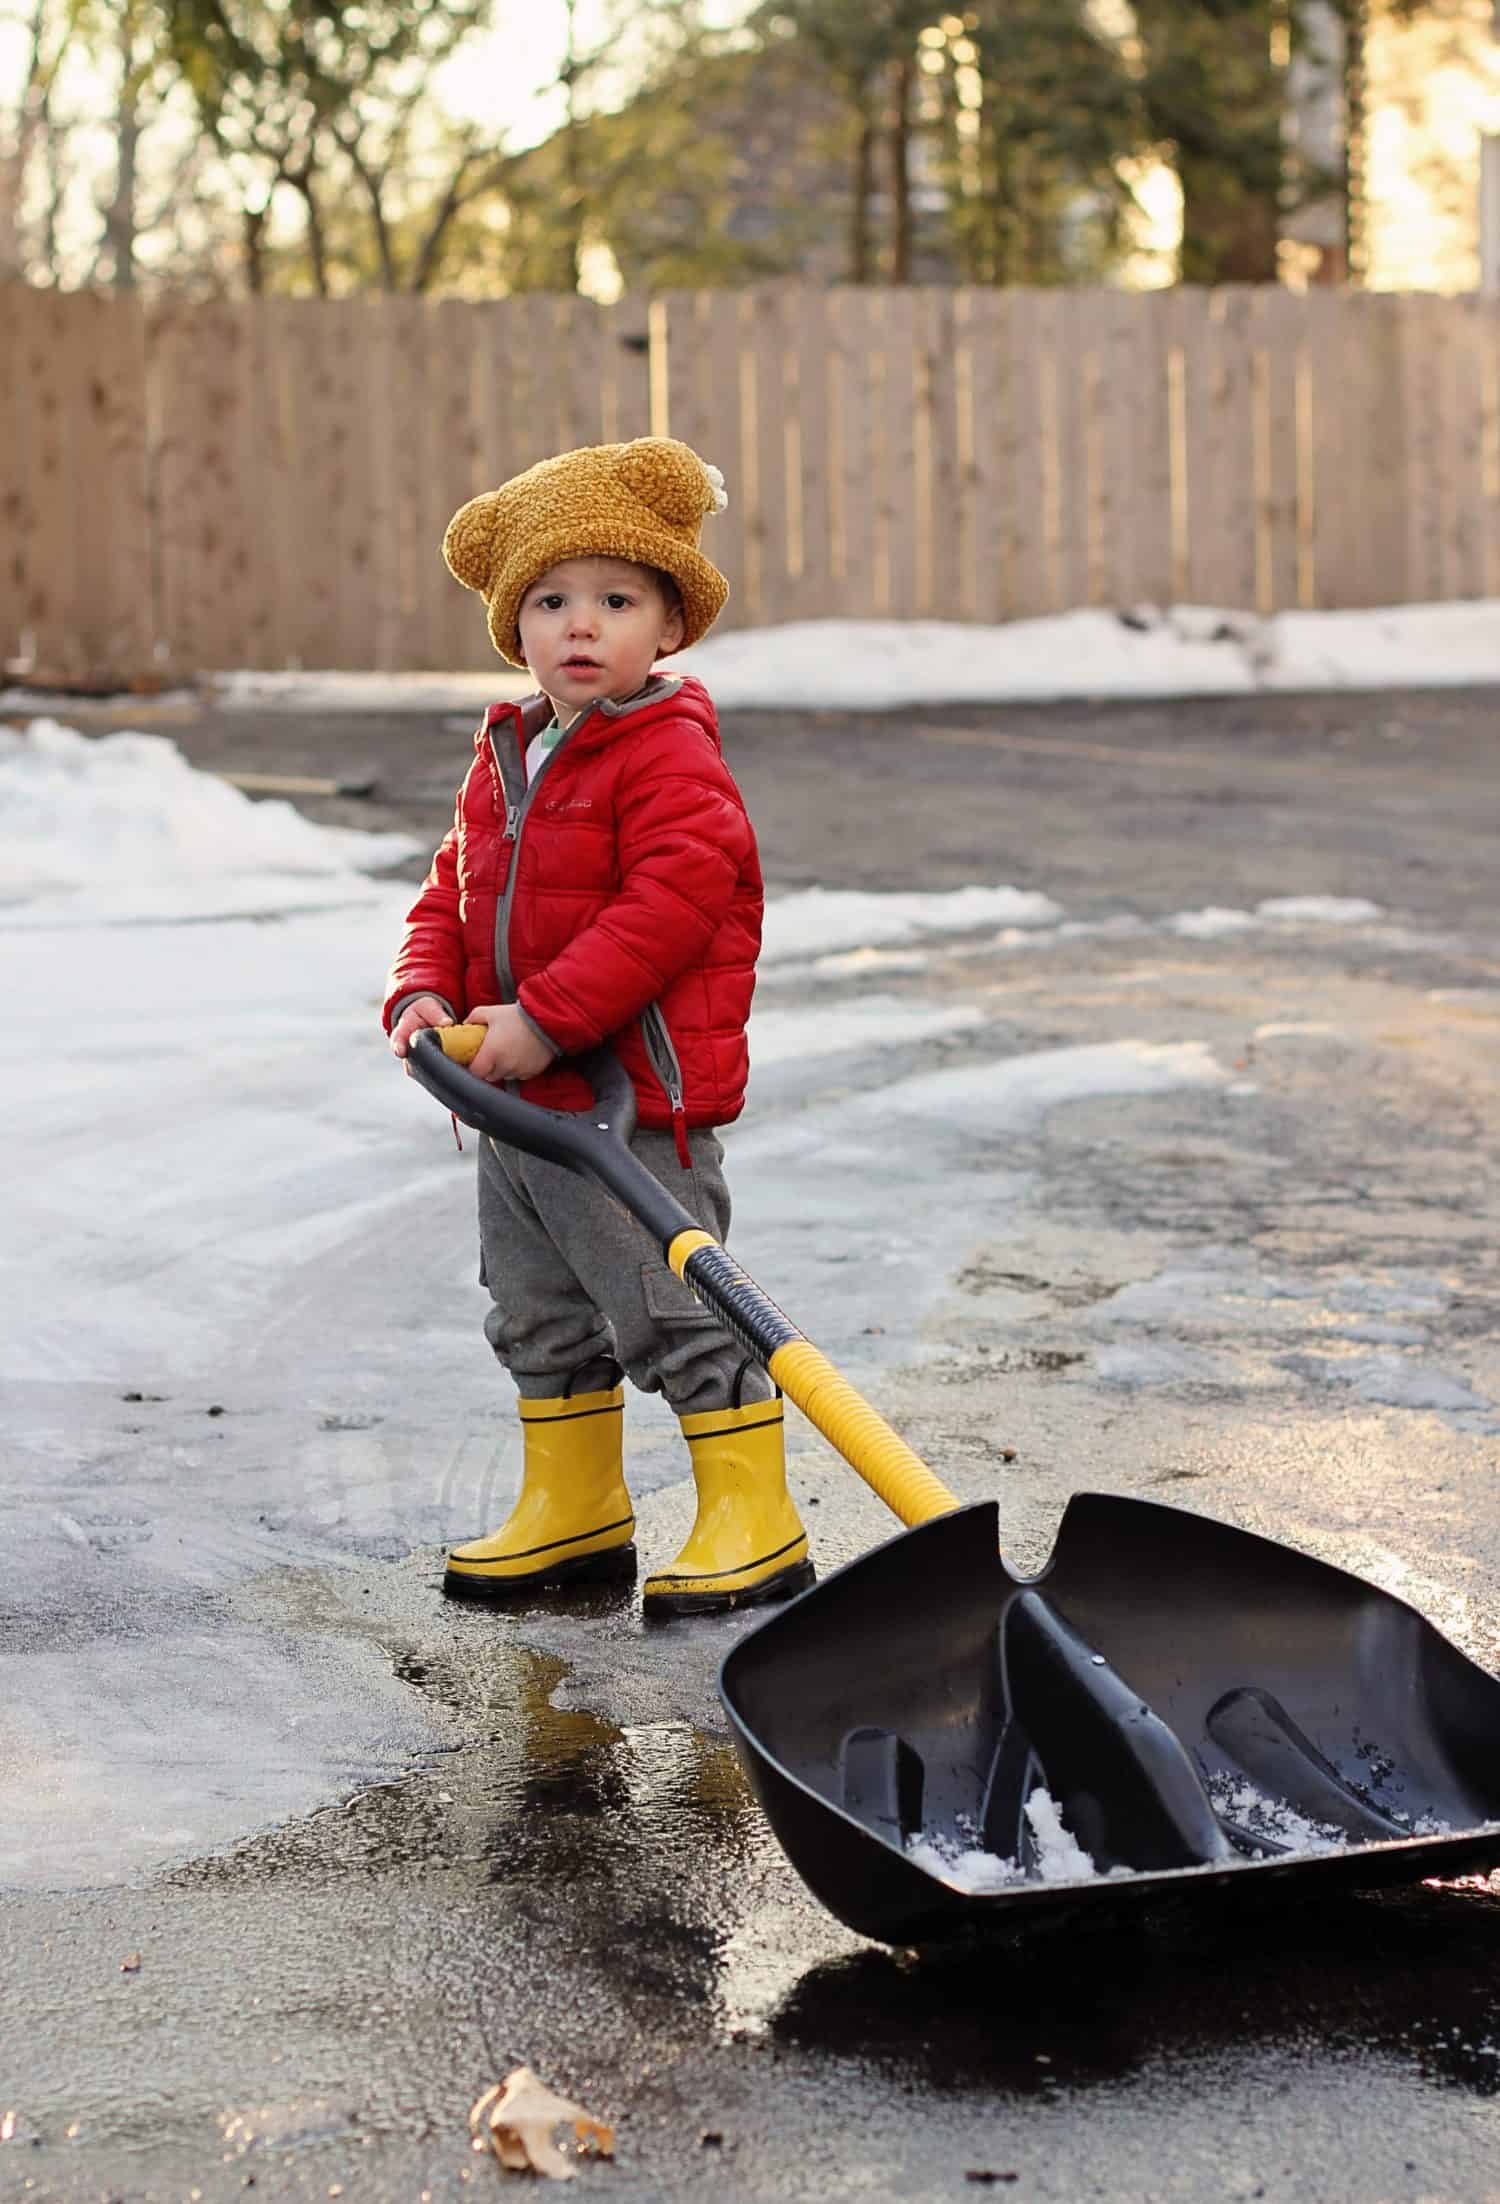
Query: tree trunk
863, 187
253, 247
1356, 171
119, 216
316, 244
1229, 234
24, 131
902, 72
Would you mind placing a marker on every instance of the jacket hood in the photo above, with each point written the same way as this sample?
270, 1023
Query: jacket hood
665, 696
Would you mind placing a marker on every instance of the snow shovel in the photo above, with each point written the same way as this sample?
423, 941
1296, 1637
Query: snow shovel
1171, 1707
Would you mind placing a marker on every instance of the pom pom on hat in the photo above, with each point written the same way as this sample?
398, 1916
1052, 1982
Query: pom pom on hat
643, 501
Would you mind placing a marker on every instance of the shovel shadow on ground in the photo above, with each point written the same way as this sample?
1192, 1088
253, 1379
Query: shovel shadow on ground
1410, 1975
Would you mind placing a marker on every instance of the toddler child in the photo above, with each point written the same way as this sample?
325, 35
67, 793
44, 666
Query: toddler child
600, 882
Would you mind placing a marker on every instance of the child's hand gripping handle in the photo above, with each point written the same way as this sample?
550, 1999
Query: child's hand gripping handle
596, 1143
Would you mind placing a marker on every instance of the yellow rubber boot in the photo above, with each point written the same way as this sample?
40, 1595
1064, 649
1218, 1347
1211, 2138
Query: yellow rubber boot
573, 1521
747, 1542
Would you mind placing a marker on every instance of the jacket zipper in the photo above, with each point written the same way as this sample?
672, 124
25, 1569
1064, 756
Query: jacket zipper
668, 1068
515, 819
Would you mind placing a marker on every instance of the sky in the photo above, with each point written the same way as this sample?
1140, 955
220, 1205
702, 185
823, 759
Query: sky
510, 76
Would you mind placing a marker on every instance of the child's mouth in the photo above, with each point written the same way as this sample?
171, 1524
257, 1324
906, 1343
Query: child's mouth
580, 665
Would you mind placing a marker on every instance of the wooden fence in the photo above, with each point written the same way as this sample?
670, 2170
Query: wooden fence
266, 483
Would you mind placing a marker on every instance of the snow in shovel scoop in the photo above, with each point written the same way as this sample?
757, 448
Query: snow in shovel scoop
1059, 1858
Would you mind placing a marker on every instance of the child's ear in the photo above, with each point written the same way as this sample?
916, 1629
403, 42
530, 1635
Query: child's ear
673, 628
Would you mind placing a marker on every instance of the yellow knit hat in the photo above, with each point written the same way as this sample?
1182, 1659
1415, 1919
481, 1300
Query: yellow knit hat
643, 501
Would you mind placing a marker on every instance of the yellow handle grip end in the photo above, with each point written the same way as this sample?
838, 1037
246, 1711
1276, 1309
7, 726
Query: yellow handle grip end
461, 1042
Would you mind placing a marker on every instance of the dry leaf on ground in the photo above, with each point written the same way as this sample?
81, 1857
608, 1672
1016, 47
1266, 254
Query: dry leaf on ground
518, 2120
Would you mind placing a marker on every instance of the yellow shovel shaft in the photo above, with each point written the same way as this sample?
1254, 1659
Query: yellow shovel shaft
882, 1457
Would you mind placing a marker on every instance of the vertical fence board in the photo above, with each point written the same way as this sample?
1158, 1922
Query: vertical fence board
849, 412
987, 458
771, 420
1108, 446
1276, 332
48, 615
625, 375
811, 591
1029, 444
1381, 428
18, 319
702, 384
1075, 370
897, 518
1147, 575
718, 335
1487, 312
1467, 455
1336, 374
114, 624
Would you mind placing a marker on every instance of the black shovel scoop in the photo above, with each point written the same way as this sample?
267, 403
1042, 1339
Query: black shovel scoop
1172, 1705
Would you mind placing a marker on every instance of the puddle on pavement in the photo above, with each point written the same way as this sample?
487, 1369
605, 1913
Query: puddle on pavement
635, 1851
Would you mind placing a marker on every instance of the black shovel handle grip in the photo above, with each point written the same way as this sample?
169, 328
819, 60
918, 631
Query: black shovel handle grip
595, 1143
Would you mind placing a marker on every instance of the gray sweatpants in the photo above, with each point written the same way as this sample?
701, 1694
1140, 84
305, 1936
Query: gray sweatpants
578, 1287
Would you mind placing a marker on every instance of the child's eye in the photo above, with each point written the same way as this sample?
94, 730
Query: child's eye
617, 600
551, 602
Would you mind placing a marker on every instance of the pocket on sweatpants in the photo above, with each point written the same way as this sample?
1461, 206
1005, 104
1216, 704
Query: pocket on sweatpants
669, 1301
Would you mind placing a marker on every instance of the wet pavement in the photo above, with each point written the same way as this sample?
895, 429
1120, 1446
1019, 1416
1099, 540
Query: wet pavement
1248, 1265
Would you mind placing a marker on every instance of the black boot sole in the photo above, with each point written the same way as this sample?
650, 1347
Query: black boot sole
661, 1605
618, 1566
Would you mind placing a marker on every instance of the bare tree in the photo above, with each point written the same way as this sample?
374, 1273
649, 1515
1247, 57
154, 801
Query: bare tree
25, 127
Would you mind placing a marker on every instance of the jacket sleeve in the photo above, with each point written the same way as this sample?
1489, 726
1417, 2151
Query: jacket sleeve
430, 960
683, 839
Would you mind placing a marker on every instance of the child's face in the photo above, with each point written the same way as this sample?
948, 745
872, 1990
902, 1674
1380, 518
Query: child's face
594, 628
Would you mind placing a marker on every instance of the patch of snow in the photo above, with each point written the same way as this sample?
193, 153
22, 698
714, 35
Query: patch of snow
1388, 1381
1260, 1814
370, 692
827, 919
1134, 1368
855, 963
1293, 1030
1209, 923
1318, 910
1401, 646
968, 1867
964, 1867
1060, 1858
121, 829
1015, 1091
877, 665
780, 1036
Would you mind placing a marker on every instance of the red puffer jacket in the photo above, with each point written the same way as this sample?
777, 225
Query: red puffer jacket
618, 897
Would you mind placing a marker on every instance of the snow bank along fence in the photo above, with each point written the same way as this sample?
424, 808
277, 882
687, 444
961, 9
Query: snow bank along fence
265, 483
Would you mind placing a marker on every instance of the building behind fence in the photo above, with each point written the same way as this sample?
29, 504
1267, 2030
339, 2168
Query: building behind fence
188, 488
